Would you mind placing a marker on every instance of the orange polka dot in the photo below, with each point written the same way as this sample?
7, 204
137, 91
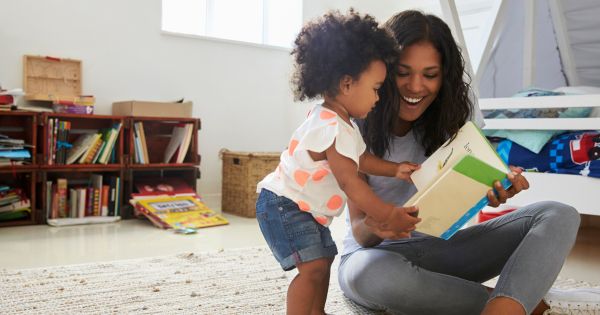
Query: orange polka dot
321, 220
303, 205
333, 123
301, 177
292, 146
335, 202
326, 115
318, 175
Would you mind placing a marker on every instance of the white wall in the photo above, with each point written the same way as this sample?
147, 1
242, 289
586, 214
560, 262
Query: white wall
236, 89
240, 92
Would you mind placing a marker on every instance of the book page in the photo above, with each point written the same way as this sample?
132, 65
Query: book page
469, 140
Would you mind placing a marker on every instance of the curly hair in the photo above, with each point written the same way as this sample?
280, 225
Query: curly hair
448, 111
336, 45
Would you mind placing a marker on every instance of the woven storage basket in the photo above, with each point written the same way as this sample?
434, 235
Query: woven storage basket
241, 172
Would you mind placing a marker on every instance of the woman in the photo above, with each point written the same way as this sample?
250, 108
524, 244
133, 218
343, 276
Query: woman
423, 104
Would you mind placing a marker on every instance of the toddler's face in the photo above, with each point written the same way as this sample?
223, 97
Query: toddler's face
364, 91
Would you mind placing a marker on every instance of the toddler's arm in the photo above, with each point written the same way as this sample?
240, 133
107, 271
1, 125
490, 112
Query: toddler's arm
358, 191
371, 164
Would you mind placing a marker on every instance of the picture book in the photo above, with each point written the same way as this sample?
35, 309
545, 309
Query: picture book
179, 212
452, 184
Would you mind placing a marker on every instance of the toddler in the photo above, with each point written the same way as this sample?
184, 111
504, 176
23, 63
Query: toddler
343, 59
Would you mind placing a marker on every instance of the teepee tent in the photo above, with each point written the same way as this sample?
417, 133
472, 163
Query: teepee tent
541, 43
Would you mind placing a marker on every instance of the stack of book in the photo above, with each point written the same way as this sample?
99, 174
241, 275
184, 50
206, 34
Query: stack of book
140, 146
13, 151
14, 204
89, 148
75, 199
82, 105
169, 203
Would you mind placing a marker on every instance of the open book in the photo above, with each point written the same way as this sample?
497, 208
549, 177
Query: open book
453, 182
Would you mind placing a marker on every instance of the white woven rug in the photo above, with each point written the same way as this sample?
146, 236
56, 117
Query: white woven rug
241, 281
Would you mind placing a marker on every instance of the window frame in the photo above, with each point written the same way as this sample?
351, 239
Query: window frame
227, 40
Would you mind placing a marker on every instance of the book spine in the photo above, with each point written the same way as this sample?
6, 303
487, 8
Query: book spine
470, 214
104, 203
89, 203
81, 198
61, 189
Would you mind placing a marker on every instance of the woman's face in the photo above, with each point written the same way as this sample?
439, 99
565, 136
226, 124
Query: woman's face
419, 79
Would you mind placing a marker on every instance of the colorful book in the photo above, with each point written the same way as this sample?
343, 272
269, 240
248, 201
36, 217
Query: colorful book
81, 146
180, 212
452, 184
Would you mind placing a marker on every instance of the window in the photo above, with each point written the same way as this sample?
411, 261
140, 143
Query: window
268, 22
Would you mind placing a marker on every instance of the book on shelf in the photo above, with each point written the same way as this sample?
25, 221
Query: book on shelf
88, 155
82, 198
179, 142
14, 203
141, 147
452, 184
111, 139
15, 215
82, 105
16, 206
80, 147
179, 212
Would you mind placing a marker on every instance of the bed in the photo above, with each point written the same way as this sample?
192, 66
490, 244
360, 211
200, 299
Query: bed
581, 192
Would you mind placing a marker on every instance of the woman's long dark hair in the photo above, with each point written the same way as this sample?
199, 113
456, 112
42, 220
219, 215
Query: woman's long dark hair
448, 111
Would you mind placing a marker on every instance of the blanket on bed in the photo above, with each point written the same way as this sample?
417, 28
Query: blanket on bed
569, 153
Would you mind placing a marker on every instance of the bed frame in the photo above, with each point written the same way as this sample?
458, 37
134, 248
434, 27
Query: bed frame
581, 192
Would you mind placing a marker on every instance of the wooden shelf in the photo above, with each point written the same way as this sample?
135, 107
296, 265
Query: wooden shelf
33, 127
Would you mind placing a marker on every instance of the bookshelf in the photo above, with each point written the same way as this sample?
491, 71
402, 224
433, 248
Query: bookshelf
36, 178
21, 175
158, 132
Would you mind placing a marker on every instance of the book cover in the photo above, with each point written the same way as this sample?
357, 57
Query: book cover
88, 156
80, 146
16, 206
452, 184
61, 189
183, 149
114, 134
181, 212
175, 140
468, 140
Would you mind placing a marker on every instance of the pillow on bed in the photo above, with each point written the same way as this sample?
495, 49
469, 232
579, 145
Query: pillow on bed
534, 140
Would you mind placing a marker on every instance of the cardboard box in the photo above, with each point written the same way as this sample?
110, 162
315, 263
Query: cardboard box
155, 109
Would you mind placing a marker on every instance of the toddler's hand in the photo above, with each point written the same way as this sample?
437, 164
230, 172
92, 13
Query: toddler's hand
405, 169
401, 221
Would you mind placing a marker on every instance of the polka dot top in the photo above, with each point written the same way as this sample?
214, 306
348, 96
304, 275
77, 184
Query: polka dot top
310, 183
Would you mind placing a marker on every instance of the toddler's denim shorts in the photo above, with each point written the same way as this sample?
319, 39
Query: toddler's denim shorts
293, 235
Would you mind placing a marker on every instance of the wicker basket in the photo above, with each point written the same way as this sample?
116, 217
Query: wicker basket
241, 172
